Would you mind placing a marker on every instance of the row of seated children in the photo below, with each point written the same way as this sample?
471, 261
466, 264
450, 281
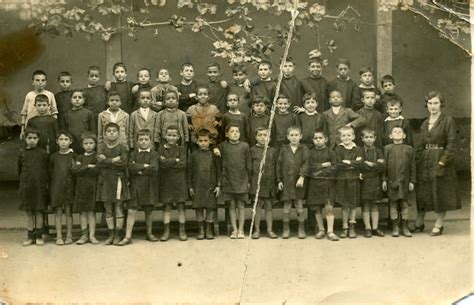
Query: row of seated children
319, 176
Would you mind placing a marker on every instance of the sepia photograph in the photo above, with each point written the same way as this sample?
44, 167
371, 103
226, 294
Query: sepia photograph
235, 152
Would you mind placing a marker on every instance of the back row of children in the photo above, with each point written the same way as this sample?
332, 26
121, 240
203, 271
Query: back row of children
169, 130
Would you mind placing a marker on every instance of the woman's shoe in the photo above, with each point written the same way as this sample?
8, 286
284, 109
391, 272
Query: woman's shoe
437, 232
124, 242
416, 229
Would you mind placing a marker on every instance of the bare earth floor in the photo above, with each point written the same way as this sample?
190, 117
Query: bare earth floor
418, 270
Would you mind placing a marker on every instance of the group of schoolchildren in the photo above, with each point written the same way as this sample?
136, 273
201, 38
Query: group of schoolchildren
130, 145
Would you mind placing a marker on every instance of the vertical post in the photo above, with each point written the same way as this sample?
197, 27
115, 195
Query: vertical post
383, 21
113, 48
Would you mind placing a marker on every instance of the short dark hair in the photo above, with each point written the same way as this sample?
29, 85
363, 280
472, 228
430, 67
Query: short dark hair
78, 90
144, 69
41, 98
162, 68
321, 131
93, 68
64, 73
144, 132
202, 87
214, 64
265, 62
31, 130
228, 127
365, 69
203, 133
113, 93
117, 65
171, 127
260, 99
239, 68
343, 61
261, 128
39, 72
112, 125
88, 135
309, 96
387, 79
317, 60
368, 90
368, 130
186, 64
64, 133
143, 90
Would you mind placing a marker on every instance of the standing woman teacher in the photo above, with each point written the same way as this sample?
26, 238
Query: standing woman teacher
436, 187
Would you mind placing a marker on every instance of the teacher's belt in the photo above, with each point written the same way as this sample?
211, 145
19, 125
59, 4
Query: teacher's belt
433, 146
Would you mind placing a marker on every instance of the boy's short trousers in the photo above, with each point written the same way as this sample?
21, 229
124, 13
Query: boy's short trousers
236, 196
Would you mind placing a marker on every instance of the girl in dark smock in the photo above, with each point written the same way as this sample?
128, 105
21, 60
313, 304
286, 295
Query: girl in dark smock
436, 188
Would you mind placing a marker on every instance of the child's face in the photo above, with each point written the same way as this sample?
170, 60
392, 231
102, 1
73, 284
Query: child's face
203, 142
294, 136
310, 105
315, 69
88, 145
434, 105
232, 101
264, 71
145, 99
239, 77
347, 136
111, 134
114, 102
369, 100
63, 141
397, 135
394, 110
41, 107
343, 71
172, 136
259, 108
202, 96
319, 140
288, 69
144, 142
77, 100
143, 77
120, 74
39, 82
31, 140
388, 87
368, 138
367, 78
335, 99
65, 83
93, 77
163, 76
233, 134
171, 100
262, 137
213, 74
283, 105
187, 73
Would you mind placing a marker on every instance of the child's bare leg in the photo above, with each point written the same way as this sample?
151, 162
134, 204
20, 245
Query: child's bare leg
92, 223
132, 213
366, 215
84, 236
258, 217
210, 223
39, 225
58, 223
182, 221
149, 224
269, 217
233, 218
404, 212
330, 220
68, 212
200, 220
109, 219
374, 215
241, 210
166, 222
119, 221
300, 211
286, 218
318, 215
345, 222
30, 225
394, 218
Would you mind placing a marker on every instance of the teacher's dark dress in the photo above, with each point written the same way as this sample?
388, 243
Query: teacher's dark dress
436, 188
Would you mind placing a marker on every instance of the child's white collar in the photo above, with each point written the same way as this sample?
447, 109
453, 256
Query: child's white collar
400, 117
144, 150
350, 146
367, 87
66, 152
311, 113
88, 153
343, 79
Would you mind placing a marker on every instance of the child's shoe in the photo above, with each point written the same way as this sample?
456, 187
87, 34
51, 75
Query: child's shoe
201, 234
182, 232
39, 237
110, 239
345, 233
301, 232
320, 235
209, 232
395, 228
240, 235
83, 239
151, 237
124, 242
93, 240
30, 239
59, 241
417, 229
233, 235
256, 235
166, 232
352, 231
68, 240
378, 232
286, 230
117, 237
405, 231
272, 234
368, 233
332, 236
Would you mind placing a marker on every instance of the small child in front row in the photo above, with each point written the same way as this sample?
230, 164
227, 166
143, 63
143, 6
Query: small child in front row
235, 177
234, 116
319, 173
349, 157
33, 185
143, 171
204, 182
173, 189
114, 114
112, 188
268, 187
86, 171
371, 184
399, 179
61, 187
291, 160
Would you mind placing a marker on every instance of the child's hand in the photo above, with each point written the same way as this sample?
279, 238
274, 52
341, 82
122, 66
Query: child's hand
371, 164
247, 86
326, 164
223, 84
22, 133
359, 159
384, 186
191, 192
135, 89
101, 157
162, 158
411, 186
380, 161
89, 165
216, 152
377, 97
116, 159
146, 165
300, 182
177, 160
280, 186
191, 95
346, 162
298, 110
217, 191
108, 85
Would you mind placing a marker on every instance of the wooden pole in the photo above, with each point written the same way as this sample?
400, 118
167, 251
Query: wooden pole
383, 42
113, 49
